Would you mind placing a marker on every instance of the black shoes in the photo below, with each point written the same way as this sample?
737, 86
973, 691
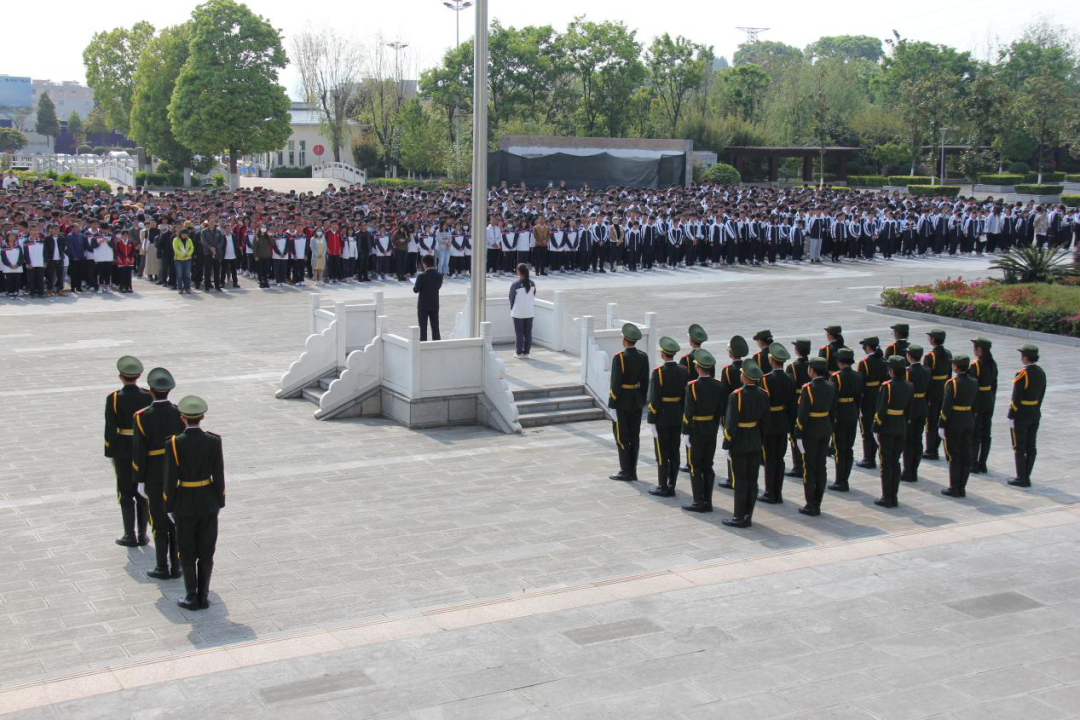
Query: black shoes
662, 491
769, 499
838, 487
143, 540
868, 464
737, 522
726, 484
882, 502
908, 479
127, 540
807, 510
160, 574
952, 492
622, 476
929, 456
1015, 482
793, 473
685, 469
697, 507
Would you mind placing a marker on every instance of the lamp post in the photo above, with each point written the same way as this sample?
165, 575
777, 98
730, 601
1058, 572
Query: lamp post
478, 280
942, 180
457, 6
397, 46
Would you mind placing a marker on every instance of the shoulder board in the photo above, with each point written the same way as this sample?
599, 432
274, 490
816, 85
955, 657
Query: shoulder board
694, 381
140, 411
217, 435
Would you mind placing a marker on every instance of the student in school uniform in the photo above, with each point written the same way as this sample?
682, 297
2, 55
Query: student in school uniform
11, 264
104, 259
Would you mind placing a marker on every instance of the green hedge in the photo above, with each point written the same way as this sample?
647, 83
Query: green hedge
1039, 189
867, 181
934, 190
1001, 179
405, 182
159, 179
293, 172
1048, 177
1072, 178
1071, 200
722, 174
996, 313
910, 180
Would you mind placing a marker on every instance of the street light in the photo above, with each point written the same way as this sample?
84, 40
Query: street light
479, 171
457, 6
397, 46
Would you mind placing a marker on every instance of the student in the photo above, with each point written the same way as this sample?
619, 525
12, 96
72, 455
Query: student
522, 310
11, 264
103, 262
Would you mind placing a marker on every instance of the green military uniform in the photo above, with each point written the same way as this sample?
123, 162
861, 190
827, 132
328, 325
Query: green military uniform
629, 388
731, 380
781, 389
891, 426
957, 420
919, 378
984, 370
120, 409
698, 337
701, 422
899, 345
746, 407
761, 357
828, 351
153, 426
849, 392
667, 388
194, 493
799, 370
939, 362
817, 410
1025, 411
873, 371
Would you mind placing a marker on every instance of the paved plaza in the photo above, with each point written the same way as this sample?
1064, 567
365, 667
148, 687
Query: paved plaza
367, 570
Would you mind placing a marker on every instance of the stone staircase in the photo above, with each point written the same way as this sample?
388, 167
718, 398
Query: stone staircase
315, 390
555, 406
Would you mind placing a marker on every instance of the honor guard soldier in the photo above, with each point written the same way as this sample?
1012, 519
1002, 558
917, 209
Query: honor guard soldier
1025, 411
775, 428
667, 387
900, 343
697, 337
730, 380
956, 424
153, 426
874, 371
984, 370
194, 493
849, 393
919, 377
813, 428
799, 370
938, 361
891, 426
700, 424
761, 357
742, 442
120, 409
834, 337
626, 398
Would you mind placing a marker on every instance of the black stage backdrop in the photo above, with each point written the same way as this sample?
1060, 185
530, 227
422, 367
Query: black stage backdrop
599, 171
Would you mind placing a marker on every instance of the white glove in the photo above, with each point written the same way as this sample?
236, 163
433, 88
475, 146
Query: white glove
1012, 424
653, 430
877, 438
727, 455
686, 440
800, 445
941, 433
612, 414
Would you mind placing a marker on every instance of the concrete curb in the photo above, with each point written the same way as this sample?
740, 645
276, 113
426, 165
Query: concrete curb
972, 325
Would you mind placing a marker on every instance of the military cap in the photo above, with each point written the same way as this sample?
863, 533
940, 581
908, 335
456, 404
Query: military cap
737, 346
669, 345
937, 334
765, 335
897, 363
779, 352
981, 342
902, 328
752, 371
915, 351
834, 329
802, 345
819, 364
129, 366
631, 332
1029, 350
697, 333
704, 358
961, 361
845, 355
192, 406
160, 379
871, 340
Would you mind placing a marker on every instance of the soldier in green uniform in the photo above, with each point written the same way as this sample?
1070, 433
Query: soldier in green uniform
775, 428
873, 371
194, 493
813, 428
938, 361
834, 340
799, 370
629, 388
891, 426
957, 422
742, 442
1025, 411
730, 380
701, 422
919, 378
667, 387
153, 425
761, 357
120, 409
984, 370
900, 343
696, 336
849, 392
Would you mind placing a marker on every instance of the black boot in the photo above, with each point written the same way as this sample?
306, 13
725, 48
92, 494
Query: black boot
206, 568
141, 514
127, 514
190, 601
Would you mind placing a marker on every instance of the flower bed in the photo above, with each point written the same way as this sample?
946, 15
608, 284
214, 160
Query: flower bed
1048, 308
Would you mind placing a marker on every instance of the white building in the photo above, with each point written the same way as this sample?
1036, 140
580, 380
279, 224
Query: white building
68, 96
308, 144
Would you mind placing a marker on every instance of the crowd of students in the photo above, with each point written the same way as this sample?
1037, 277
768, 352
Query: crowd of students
59, 239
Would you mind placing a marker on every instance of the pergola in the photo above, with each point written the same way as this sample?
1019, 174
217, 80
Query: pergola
739, 153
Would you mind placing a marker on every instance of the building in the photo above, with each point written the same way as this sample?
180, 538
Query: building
308, 144
24, 93
68, 96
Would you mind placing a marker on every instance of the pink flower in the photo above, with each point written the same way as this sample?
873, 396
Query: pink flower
923, 298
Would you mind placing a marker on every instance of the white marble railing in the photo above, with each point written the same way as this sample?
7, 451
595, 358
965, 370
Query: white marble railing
549, 321
599, 346
339, 171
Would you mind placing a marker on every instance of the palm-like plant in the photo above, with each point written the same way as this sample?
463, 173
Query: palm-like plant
1029, 264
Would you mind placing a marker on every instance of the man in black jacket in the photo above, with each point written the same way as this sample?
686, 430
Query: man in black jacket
427, 305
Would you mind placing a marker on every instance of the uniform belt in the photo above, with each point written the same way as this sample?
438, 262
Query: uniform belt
748, 425
672, 399
873, 384
152, 453
846, 399
194, 483
919, 395
798, 391
819, 414
986, 388
704, 418
1029, 402
777, 408
939, 377
124, 431
894, 412
635, 386
961, 408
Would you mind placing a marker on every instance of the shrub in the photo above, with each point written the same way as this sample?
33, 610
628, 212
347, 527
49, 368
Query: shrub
934, 190
292, 172
67, 178
722, 174
219, 180
99, 150
84, 150
159, 179
427, 185
1001, 179
1071, 200
1072, 178
164, 167
1039, 189
905, 180
1028, 264
1019, 168
867, 180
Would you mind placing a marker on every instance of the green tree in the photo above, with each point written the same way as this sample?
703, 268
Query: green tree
676, 70
47, 124
846, 48
604, 57
155, 80
110, 60
769, 55
96, 122
11, 140
449, 86
75, 127
743, 89
227, 95
1042, 108
423, 145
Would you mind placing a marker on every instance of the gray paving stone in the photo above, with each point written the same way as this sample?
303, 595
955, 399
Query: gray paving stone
1001, 683
997, 604
613, 631
924, 701
1025, 707
313, 688
1066, 699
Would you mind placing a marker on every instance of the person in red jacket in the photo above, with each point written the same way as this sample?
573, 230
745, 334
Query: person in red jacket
333, 254
127, 251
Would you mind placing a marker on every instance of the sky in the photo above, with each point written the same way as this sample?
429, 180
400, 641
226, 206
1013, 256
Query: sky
429, 27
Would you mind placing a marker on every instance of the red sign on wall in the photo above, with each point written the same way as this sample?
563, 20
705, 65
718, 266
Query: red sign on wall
318, 150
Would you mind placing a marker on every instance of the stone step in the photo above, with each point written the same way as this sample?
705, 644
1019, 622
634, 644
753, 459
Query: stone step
549, 392
313, 393
560, 417
552, 404
324, 383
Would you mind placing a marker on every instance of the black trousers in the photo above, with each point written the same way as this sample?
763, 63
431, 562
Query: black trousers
866, 427
1024, 437
523, 335
844, 446
196, 538
666, 446
401, 261
627, 430
744, 477
161, 526
891, 449
133, 508
540, 259
913, 447
699, 456
281, 271
932, 438
958, 453
75, 274
54, 275
211, 272
774, 465
796, 455
815, 475
35, 281
227, 272
425, 317
980, 438
263, 265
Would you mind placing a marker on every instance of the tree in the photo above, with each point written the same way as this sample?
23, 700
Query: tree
155, 81
47, 124
17, 116
227, 95
449, 86
11, 140
769, 55
604, 57
75, 127
676, 69
110, 60
1042, 109
422, 144
743, 87
382, 96
331, 68
889, 155
846, 48
96, 123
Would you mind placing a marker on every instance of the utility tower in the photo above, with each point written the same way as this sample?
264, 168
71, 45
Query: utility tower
752, 33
